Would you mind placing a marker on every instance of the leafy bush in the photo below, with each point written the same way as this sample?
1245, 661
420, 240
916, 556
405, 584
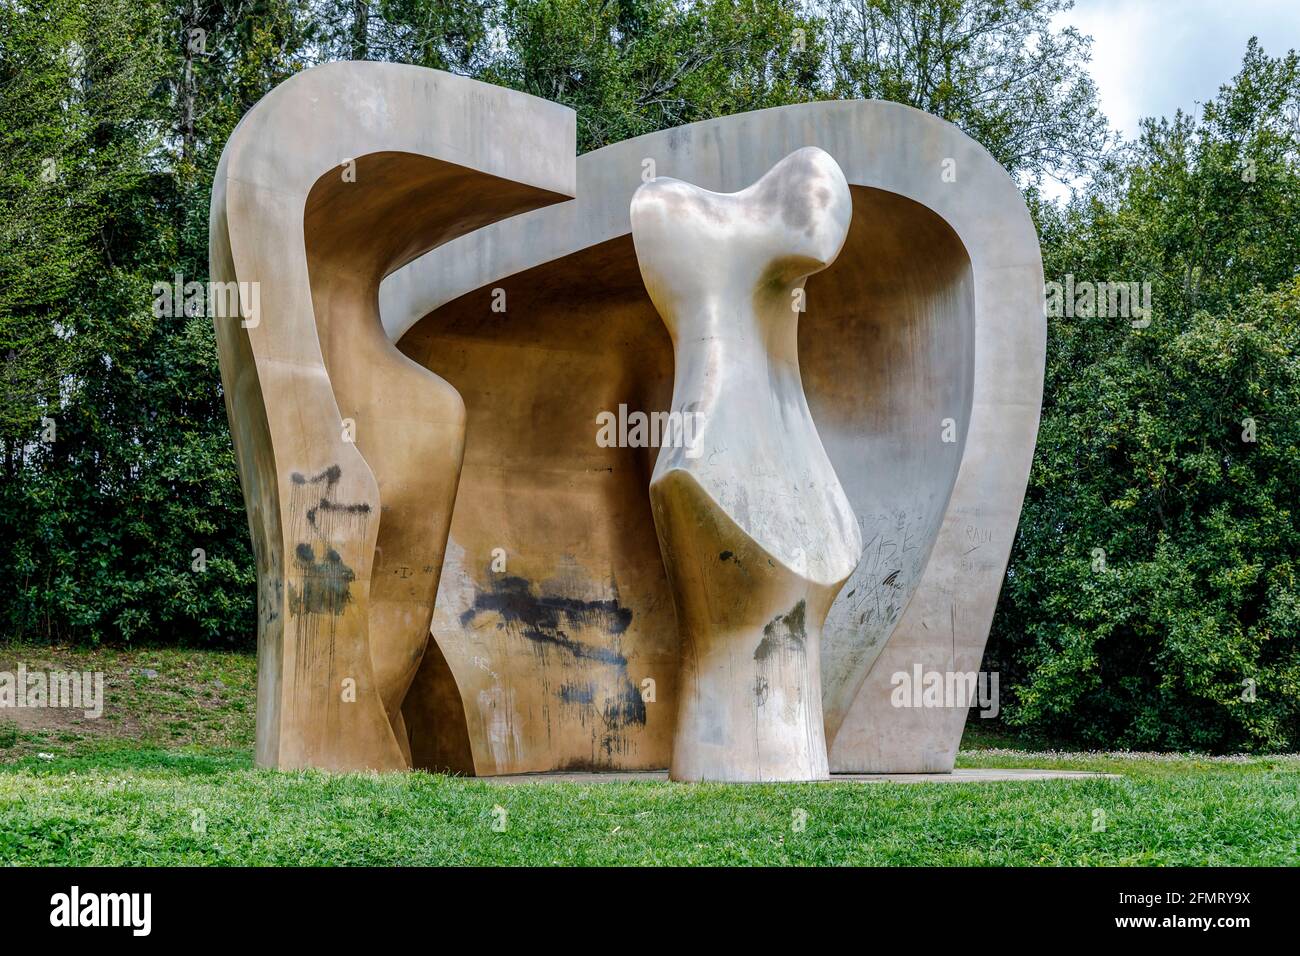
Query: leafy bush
1153, 599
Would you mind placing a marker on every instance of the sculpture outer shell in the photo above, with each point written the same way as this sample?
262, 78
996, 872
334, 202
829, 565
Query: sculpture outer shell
348, 452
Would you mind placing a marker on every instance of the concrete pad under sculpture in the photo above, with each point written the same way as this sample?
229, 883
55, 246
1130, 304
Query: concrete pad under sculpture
555, 642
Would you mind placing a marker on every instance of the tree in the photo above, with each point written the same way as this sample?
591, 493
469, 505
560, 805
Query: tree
637, 66
126, 107
995, 68
1153, 599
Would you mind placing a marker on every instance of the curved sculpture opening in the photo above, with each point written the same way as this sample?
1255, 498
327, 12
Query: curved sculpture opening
887, 355
407, 422
348, 452
553, 619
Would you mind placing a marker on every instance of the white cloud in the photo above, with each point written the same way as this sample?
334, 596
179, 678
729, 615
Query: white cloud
1152, 57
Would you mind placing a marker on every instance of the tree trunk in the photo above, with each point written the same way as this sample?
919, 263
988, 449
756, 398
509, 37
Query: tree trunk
360, 28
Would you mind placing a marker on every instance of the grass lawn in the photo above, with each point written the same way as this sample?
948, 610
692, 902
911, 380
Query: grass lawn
172, 782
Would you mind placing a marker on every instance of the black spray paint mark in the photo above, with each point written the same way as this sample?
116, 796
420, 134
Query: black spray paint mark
330, 476
545, 621
580, 694
781, 664
326, 583
784, 632
320, 588
540, 618
624, 708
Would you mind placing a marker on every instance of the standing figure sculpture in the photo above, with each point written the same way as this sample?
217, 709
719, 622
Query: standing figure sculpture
757, 535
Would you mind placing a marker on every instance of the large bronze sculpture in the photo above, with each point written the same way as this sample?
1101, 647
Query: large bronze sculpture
467, 339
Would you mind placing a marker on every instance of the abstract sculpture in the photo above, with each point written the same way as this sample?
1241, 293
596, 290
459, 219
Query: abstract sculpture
757, 535
451, 304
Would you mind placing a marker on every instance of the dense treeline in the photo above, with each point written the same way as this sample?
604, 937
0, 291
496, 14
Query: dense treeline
1154, 593
1152, 598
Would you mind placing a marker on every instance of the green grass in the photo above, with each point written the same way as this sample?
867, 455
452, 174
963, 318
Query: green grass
150, 806
181, 789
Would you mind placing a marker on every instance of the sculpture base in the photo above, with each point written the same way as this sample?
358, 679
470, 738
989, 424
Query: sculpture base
750, 707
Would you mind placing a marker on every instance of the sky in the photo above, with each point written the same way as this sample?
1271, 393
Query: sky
1151, 57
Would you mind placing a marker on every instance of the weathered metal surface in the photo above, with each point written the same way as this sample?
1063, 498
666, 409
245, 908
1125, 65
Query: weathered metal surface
349, 453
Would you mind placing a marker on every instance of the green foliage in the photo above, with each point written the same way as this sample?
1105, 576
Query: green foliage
73, 141
102, 521
998, 69
1146, 448
637, 66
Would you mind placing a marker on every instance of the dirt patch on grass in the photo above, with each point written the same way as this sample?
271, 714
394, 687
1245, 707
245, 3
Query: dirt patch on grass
158, 696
